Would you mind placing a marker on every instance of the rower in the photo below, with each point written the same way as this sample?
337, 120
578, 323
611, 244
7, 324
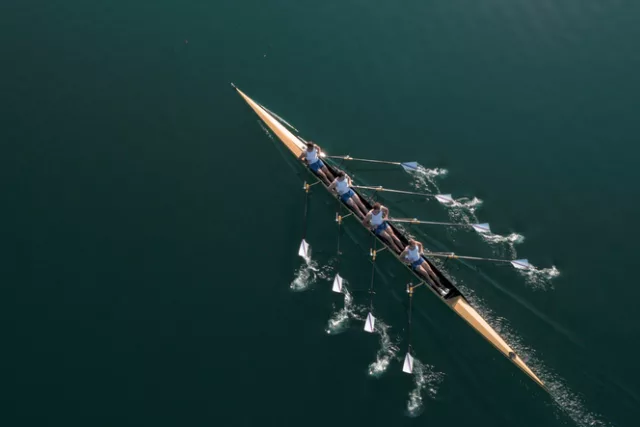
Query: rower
342, 186
413, 255
311, 156
376, 220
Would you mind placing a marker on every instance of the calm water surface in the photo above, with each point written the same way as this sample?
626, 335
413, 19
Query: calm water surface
149, 225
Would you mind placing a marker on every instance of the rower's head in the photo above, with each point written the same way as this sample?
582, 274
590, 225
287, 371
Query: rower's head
310, 146
376, 207
341, 175
413, 243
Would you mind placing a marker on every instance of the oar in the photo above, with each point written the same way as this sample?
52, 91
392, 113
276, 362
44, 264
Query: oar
407, 166
520, 264
480, 228
370, 321
337, 281
280, 119
407, 366
303, 250
445, 199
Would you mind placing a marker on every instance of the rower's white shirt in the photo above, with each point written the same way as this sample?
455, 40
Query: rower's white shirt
312, 156
342, 187
413, 254
376, 219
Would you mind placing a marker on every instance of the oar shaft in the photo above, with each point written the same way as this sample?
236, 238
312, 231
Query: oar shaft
454, 256
389, 190
415, 221
364, 160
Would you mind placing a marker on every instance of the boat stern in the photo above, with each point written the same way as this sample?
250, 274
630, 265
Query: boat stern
471, 316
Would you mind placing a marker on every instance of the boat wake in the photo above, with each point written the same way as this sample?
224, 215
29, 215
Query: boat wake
426, 379
388, 350
570, 403
266, 131
566, 401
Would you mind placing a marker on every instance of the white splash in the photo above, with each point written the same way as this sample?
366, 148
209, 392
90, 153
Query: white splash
467, 204
540, 278
464, 209
339, 321
306, 274
464, 212
425, 179
387, 352
426, 380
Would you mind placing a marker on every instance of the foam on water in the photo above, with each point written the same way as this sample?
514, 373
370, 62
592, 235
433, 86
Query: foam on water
339, 320
540, 278
426, 381
425, 179
306, 275
387, 352
467, 204
463, 210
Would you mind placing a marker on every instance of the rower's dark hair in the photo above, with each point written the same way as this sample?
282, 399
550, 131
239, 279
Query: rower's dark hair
377, 205
310, 144
341, 174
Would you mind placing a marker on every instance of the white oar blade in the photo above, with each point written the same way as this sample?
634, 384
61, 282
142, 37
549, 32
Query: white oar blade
521, 264
408, 364
337, 284
409, 166
445, 199
304, 249
482, 228
370, 323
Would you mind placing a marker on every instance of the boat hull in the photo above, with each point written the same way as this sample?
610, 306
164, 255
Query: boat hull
454, 298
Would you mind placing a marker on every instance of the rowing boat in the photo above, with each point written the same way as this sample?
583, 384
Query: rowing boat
453, 298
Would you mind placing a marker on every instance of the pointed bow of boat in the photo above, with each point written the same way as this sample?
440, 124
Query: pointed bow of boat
291, 141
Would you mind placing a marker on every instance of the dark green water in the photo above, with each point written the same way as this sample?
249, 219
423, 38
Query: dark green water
149, 226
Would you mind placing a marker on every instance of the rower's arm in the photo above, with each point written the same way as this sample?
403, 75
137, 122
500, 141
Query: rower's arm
333, 184
420, 248
404, 253
367, 219
349, 180
385, 212
301, 156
